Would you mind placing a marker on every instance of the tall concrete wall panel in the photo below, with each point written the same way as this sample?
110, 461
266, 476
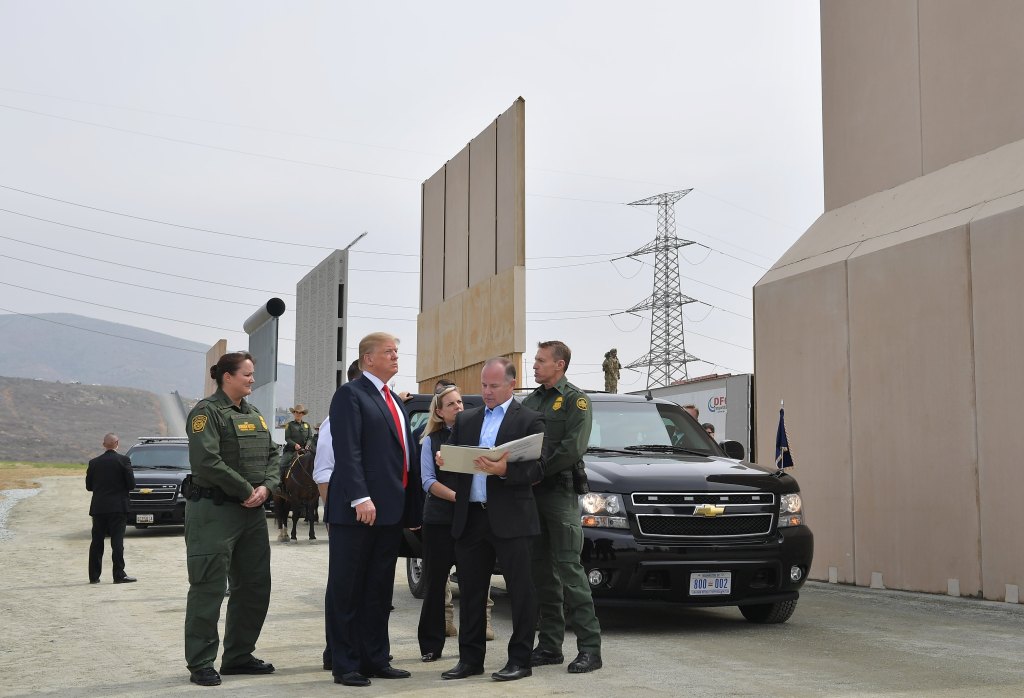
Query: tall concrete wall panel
911, 398
997, 248
972, 58
800, 329
871, 112
321, 334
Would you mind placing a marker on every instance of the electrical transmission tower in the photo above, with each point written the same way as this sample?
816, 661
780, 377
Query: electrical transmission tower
666, 361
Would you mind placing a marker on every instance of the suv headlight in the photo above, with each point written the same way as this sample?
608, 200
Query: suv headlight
599, 510
791, 510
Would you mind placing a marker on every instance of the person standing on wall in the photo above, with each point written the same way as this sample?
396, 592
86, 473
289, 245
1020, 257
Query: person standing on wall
234, 470
558, 574
366, 507
110, 479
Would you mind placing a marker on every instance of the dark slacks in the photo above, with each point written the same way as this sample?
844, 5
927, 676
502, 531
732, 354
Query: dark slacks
475, 553
103, 526
360, 586
438, 558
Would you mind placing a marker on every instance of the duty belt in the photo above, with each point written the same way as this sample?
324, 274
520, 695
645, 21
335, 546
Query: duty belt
192, 491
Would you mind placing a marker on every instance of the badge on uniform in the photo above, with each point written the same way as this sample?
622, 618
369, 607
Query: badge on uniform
558, 403
198, 423
581, 404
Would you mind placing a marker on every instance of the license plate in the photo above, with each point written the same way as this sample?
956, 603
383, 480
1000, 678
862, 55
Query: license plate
143, 518
710, 583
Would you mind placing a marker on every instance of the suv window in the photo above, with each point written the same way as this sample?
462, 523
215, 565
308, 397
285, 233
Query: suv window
167, 456
621, 424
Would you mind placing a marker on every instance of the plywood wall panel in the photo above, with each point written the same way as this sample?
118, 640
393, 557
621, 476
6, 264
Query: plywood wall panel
432, 241
482, 205
456, 224
511, 188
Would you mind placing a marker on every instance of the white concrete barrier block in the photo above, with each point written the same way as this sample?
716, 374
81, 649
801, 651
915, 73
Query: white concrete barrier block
953, 587
876, 580
833, 575
1012, 593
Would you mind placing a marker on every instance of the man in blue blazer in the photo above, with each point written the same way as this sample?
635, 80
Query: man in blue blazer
495, 516
366, 510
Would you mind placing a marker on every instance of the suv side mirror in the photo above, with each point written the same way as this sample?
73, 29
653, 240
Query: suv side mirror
733, 449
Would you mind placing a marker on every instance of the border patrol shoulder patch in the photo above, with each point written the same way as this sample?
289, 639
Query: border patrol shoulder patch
199, 423
581, 403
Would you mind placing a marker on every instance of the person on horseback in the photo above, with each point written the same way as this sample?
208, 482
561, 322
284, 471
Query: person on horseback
298, 437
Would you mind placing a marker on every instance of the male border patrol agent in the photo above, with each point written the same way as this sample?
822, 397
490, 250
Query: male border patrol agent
298, 437
234, 470
558, 574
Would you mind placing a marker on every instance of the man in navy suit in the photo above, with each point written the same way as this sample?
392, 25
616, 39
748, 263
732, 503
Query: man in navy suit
366, 509
495, 517
110, 479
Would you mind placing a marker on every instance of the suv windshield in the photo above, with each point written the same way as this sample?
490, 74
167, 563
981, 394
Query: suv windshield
619, 425
153, 456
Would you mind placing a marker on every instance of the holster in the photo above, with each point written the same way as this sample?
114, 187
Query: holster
580, 485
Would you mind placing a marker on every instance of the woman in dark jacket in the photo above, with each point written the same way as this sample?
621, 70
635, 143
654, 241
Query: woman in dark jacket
438, 544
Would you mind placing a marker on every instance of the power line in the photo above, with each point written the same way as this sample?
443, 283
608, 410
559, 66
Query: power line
213, 147
105, 334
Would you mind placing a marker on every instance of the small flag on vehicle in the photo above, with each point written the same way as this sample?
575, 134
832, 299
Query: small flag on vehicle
783, 456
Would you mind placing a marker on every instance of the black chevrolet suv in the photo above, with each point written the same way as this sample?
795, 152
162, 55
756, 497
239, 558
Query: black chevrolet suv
160, 464
671, 518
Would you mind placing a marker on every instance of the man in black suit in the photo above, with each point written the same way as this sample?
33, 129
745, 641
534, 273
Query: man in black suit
495, 516
365, 509
110, 479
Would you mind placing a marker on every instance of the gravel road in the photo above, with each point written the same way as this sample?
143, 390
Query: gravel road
61, 635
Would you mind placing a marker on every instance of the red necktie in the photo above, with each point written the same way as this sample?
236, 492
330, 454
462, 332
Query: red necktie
398, 428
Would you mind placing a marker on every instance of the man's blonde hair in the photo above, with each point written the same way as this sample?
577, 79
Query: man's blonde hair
369, 343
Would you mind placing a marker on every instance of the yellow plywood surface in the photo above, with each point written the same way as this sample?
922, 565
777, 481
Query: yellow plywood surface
432, 241
456, 224
482, 205
511, 188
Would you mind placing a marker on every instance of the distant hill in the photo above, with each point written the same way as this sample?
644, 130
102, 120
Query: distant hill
42, 421
37, 347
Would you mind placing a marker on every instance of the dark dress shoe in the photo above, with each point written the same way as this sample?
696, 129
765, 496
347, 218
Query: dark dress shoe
125, 580
205, 677
352, 678
327, 666
584, 662
94, 581
543, 657
430, 657
462, 670
388, 672
512, 672
253, 666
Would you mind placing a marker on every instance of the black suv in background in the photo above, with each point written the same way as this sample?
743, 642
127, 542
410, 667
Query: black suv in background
670, 517
160, 464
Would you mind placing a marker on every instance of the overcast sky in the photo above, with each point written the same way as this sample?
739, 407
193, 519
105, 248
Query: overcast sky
303, 124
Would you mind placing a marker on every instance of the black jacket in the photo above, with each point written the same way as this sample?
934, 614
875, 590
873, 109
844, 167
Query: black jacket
110, 479
510, 504
437, 511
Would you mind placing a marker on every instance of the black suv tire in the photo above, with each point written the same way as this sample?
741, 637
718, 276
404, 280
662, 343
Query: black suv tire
778, 612
414, 573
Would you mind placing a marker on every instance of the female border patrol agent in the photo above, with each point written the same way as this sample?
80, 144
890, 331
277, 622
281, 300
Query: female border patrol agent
234, 470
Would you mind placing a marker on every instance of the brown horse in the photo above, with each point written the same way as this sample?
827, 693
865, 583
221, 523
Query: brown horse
299, 494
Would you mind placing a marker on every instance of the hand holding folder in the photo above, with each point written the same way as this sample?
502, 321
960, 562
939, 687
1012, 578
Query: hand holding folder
461, 459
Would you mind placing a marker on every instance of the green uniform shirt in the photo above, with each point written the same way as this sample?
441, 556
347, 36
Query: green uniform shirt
296, 433
230, 447
567, 420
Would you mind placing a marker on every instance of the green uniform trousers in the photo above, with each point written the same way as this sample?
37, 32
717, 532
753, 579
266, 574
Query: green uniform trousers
558, 574
222, 542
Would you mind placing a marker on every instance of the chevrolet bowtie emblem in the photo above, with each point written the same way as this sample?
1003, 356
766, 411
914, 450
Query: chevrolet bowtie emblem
708, 510
146, 490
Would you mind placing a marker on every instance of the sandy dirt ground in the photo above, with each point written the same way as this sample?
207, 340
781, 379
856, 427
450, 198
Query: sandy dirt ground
62, 636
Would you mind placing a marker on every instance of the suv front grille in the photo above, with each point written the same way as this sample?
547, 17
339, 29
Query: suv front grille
153, 493
699, 526
654, 499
